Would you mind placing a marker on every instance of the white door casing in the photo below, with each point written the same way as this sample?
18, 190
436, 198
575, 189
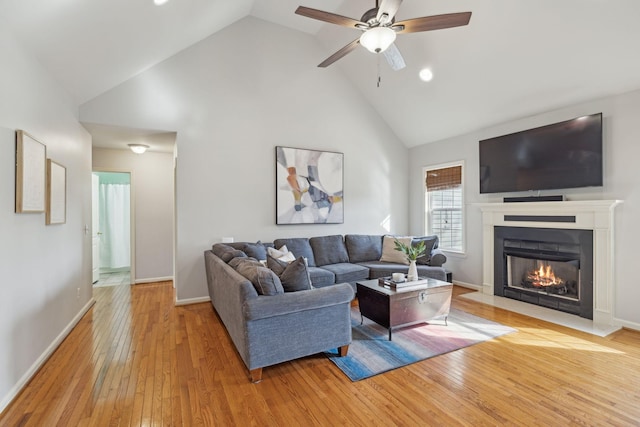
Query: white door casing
95, 227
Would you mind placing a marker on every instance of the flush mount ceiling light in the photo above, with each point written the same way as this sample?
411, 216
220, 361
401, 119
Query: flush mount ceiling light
160, 2
377, 39
138, 148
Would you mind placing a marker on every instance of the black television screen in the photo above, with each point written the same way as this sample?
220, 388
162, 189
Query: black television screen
561, 155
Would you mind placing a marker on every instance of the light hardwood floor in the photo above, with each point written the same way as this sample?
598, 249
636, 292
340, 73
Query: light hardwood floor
136, 360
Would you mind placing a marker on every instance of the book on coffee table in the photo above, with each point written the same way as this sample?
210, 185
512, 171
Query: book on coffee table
388, 281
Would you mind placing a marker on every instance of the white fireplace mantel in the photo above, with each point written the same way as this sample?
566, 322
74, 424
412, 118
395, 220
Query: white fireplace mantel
596, 215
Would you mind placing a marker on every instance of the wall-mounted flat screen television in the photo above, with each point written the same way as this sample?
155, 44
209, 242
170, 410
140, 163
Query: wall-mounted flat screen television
557, 156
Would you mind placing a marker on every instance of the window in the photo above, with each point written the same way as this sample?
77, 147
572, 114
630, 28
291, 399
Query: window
443, 205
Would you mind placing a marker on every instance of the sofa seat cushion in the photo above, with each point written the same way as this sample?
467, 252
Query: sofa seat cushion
363, 247
346, 272
329, 250
379, 269
300, 247
321, 277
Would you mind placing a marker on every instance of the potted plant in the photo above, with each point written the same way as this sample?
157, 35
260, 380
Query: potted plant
412, 252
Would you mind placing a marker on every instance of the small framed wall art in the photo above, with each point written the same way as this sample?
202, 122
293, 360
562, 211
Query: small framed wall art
309, 186
30, 173
56, 193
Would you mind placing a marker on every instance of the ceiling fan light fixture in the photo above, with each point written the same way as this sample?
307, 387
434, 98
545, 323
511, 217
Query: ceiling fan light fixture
138, 148
377, 39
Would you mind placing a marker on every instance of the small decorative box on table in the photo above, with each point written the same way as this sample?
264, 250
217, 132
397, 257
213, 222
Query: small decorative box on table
395, 305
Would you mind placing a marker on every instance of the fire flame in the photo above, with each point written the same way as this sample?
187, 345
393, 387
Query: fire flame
544, 277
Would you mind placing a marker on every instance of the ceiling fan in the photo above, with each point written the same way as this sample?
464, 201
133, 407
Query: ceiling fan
379, 29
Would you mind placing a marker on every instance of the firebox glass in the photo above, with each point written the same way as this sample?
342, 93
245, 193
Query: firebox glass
557, 278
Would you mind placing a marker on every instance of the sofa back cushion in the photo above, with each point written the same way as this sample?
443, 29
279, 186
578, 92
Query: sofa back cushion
299, 246
226, 252
430, 243
329, 250
363, 247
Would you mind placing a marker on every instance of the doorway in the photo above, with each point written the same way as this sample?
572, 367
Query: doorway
111, 197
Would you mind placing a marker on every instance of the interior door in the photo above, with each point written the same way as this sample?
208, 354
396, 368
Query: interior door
95, 226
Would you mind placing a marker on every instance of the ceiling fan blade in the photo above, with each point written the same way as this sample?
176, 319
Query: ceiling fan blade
389, 8
394, 58
331, 18
339, 54
435, 22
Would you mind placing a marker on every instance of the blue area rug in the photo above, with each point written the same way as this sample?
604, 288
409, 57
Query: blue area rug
371, 353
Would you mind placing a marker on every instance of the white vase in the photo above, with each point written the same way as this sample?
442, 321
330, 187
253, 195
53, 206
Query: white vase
413, 271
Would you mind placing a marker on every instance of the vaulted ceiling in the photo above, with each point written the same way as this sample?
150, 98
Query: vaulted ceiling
514, 59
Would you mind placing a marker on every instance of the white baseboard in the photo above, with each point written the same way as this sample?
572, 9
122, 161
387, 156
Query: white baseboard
15, 390
192, 301
153, 279
468, 285
627, 324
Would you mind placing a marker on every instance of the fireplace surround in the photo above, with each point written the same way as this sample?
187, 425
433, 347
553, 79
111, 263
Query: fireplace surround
596, 216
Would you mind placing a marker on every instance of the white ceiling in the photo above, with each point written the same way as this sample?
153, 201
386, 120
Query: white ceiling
516, 58
118, 138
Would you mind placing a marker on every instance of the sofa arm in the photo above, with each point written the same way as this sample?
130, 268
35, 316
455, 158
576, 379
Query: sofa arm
291, 302
438, 258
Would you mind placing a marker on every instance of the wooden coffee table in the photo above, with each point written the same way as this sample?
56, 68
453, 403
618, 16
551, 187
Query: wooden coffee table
395, 308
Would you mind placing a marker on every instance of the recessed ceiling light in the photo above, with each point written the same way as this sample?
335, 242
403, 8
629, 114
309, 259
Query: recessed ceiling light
426, 75
160, 2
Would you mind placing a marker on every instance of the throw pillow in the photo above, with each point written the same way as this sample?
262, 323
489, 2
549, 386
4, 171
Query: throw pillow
226, 253
276, 265
389, 252
255, 250
236, 262
295, 276
263, 280
283, 254
277, 253
267, 283
430, 242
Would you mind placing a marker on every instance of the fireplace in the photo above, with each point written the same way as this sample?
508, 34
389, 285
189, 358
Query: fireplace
549, 267
596, 217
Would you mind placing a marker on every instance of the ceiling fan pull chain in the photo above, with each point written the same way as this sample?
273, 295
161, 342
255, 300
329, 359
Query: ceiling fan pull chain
378, 61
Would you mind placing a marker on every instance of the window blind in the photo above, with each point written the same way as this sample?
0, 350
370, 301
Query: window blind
445, 178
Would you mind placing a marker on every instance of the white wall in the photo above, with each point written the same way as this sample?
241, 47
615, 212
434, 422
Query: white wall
153, 203
232, 98
42, 266
621, 181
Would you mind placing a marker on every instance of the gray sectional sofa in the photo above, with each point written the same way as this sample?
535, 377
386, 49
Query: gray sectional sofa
268, 325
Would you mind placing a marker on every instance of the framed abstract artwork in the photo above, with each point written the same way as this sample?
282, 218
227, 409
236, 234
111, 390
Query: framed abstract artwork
30, 173
309, 186
56, 212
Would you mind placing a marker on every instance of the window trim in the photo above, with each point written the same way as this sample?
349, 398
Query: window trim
463, 251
